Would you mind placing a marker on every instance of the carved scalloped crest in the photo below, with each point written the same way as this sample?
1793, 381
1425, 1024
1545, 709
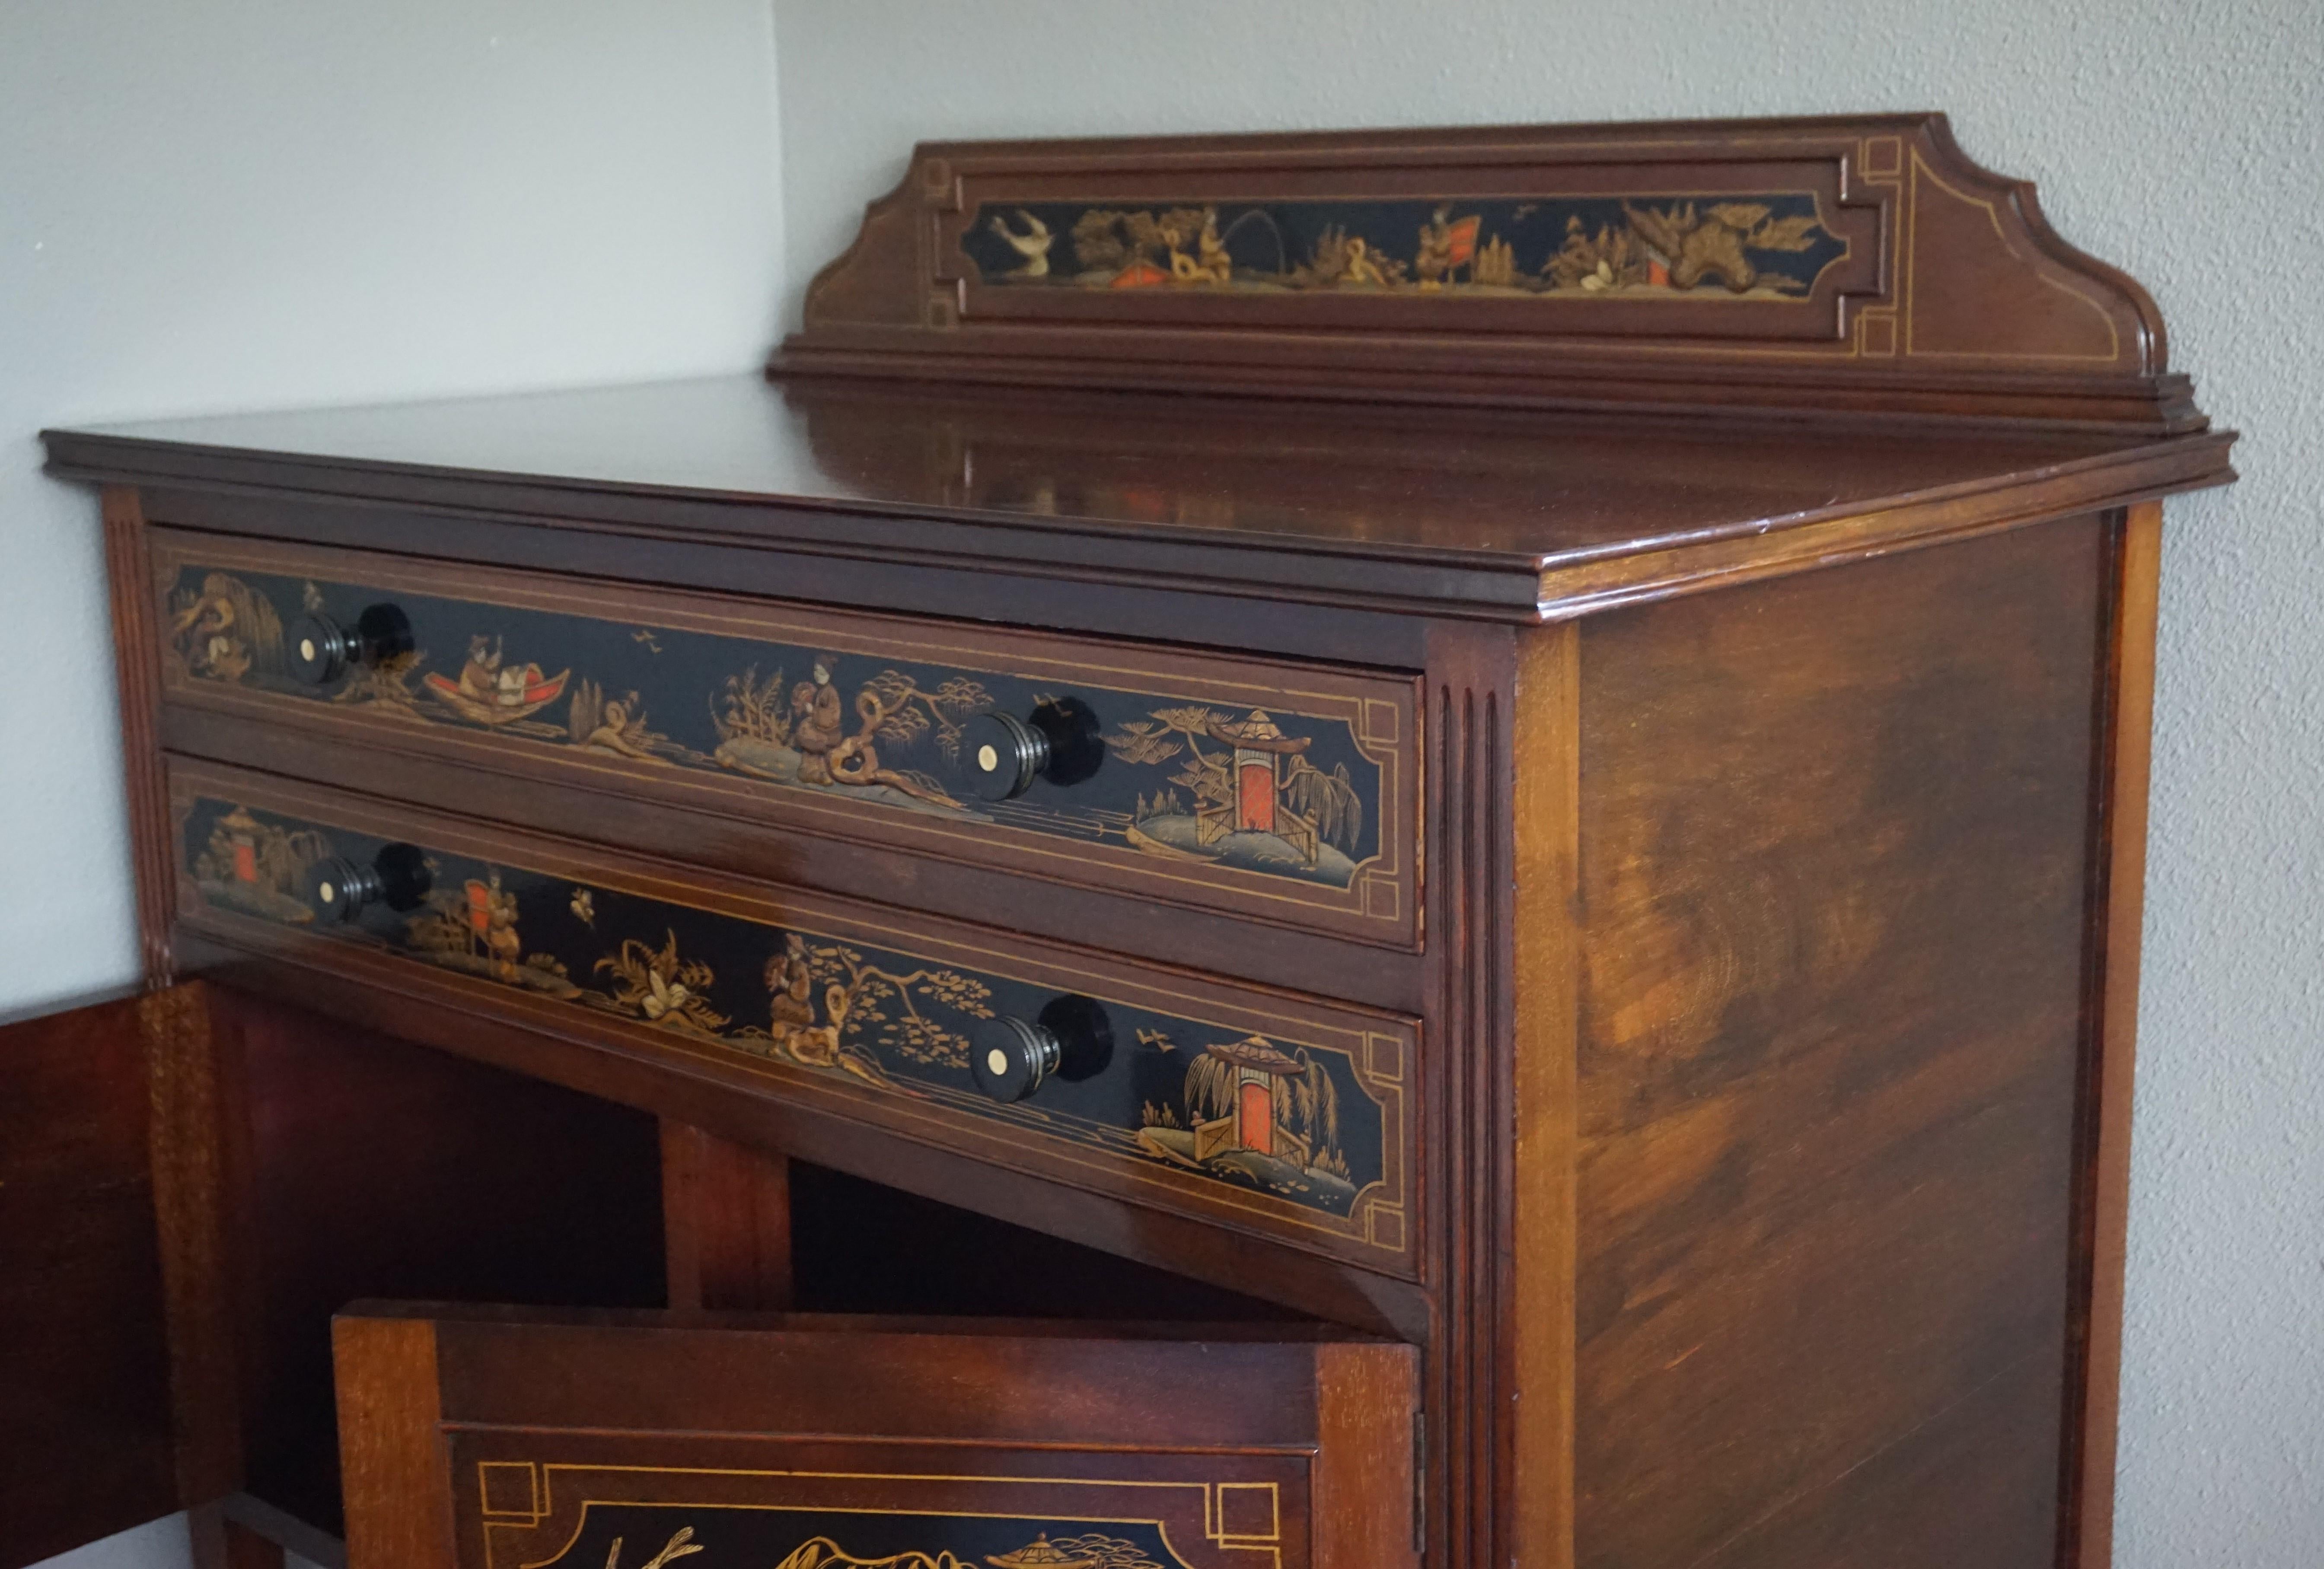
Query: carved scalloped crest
1845, 264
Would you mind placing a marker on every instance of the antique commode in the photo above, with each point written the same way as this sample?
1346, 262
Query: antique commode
1333, 851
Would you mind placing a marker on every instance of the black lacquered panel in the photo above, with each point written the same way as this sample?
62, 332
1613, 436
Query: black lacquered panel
1277, 791
1286, 1116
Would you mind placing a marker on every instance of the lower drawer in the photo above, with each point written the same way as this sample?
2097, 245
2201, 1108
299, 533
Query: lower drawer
1284, 1116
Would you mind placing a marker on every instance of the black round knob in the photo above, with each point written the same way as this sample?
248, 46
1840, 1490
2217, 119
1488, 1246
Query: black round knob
1011, 1057
321, 650
339, 889
1002, 755
1005, 755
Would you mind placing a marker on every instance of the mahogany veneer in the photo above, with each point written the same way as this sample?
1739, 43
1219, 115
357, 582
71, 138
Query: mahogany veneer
1554, 989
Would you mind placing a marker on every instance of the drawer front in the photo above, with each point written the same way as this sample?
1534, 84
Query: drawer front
1276, 791
1287, 1117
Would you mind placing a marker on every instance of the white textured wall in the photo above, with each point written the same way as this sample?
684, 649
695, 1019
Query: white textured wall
2182, 141
245, 204
230, 204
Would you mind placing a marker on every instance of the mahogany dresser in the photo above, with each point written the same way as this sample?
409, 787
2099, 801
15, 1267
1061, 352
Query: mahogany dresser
1304, 852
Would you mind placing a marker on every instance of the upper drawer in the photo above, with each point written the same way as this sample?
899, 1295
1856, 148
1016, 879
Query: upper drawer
1278, 792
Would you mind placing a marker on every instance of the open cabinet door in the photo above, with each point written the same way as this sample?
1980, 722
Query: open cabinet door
115, 1375
490, 1438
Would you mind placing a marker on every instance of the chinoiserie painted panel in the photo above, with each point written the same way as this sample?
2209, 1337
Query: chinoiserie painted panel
534, 1501
1739, 246
1282, 791
1286, 1117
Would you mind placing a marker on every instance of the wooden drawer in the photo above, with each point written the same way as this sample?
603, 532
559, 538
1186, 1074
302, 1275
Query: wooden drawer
493, 1439
1270, 790
1278, 1116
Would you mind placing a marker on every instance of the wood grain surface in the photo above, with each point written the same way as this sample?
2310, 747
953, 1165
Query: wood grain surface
1233, 1438
1835, 856
88, 1444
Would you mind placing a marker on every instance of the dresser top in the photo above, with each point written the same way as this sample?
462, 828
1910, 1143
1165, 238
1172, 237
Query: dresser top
1587, 507
1518, 372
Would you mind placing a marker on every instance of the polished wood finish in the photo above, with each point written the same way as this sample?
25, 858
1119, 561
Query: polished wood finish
1472, 960
680, 657
726, 1222
1543, 1159
1376, 1229
87, 1443
374, 1166
1783, 661
474, 1435
1272, 955
118, 1363
314, 978
873, 497
2116, 904
193, 1088
391, 1464
1828, 1141
137, 674
1948, 295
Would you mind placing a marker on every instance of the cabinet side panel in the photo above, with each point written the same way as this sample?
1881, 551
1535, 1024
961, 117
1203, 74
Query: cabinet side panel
86, 1442
1834, 871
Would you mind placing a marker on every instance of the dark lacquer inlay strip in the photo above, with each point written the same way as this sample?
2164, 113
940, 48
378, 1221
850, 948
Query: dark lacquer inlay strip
1771, 245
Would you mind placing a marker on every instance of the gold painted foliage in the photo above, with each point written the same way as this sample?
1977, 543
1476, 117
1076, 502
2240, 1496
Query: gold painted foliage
1107, 240
1329, 801
281, 855
822, 1553
676, 1547
1095, 1548
1496, 264
225, 629
904, 712
1715, 243
661, 988
753, 709
886, 1004
1763, 231
1138, 741
1610, 258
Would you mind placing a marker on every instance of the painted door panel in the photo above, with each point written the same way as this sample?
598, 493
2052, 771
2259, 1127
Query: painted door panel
488, 1438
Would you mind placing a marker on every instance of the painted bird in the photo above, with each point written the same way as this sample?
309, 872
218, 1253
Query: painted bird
1033, 245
